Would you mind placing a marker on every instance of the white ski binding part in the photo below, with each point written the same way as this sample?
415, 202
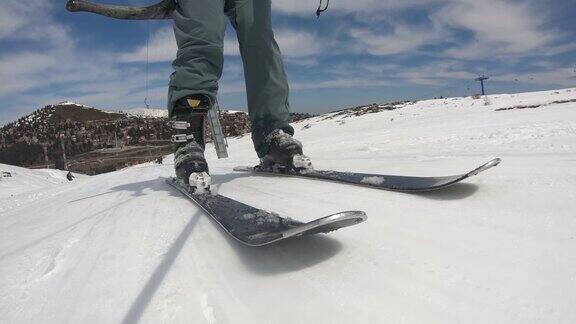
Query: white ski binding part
302, 164
200, 181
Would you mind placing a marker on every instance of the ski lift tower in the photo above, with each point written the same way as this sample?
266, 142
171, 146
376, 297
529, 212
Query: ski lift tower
482, 79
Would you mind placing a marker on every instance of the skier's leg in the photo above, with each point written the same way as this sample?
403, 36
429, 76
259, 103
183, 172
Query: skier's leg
266, 82
199, 27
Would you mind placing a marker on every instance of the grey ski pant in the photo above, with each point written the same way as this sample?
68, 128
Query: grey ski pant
199, 27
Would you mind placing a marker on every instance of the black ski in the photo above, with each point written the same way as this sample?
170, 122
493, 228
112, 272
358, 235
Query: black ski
379, 181
256, 227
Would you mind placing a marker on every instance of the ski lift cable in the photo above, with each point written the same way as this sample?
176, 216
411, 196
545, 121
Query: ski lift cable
147, 63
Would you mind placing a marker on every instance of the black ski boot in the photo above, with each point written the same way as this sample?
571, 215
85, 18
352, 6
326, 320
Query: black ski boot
284, 154
189, 162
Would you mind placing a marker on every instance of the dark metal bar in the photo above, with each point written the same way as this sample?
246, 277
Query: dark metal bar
161, 10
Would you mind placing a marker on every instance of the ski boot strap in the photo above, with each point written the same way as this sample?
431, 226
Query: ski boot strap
188, 127
182, 138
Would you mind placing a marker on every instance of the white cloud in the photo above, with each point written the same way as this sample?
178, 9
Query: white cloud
402, 39
349, 82
162, 46
437, 73
308, 8
298, 43
31, 20
303, 62
15, 15
499, 28
555, 77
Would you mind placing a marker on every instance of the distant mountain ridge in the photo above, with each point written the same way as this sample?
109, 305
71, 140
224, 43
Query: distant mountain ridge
68, 111
38, 138
65, 112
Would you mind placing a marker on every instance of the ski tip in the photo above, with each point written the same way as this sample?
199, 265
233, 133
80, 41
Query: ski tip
328, 224
488, 165
357, 215
494, 162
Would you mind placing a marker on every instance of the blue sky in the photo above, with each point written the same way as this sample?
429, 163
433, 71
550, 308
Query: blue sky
358, 52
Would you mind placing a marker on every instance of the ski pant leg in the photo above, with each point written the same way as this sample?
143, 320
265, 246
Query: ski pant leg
199, 27
266, 81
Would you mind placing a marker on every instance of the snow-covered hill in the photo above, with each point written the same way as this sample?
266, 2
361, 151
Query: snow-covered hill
500, 248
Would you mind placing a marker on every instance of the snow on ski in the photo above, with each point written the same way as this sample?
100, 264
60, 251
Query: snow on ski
256, 227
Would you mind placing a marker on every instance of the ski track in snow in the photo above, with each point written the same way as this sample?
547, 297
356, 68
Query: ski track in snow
124, 247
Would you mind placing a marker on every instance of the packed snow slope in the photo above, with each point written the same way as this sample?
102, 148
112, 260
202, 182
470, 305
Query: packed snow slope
27, 182
124, 247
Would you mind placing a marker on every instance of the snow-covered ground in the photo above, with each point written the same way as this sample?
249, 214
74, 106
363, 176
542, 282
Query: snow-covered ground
499, 248
148, 112
70, 103
25, 181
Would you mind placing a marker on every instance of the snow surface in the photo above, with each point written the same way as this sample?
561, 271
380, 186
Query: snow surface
148, 112
26, 181
373, 180
499, 248
70, 103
